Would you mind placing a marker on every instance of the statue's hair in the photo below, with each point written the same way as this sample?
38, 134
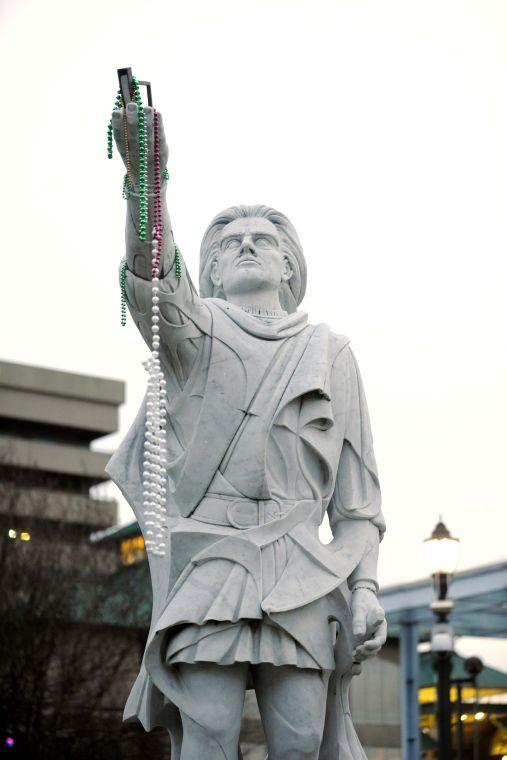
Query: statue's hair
292, 291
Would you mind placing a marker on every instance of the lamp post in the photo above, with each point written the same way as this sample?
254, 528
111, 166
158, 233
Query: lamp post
441, 553
473, 666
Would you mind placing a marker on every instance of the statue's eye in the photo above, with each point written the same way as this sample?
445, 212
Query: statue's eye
231, 243
263, 242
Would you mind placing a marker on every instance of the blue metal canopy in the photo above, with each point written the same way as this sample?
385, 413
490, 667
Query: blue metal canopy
480, 609
479, 595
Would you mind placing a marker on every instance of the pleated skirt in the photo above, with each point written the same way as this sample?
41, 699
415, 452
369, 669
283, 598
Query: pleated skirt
217, 618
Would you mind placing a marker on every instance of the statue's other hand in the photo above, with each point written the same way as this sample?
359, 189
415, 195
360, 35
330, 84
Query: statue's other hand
368, 624
126, 136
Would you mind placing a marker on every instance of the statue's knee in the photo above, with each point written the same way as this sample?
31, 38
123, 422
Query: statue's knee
214, 734
222, 735
303, 746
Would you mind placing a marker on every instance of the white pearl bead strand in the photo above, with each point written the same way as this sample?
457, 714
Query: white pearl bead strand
155, 443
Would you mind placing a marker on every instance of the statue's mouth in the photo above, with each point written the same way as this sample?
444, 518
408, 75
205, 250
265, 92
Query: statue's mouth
247, 261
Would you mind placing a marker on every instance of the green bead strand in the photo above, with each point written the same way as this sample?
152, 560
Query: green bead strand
165, 173
143, 166
123, 280
118, 103
127, 189
177, 262
110, 139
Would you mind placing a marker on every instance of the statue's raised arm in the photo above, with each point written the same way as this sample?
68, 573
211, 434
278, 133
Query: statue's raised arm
126, 135
178, 299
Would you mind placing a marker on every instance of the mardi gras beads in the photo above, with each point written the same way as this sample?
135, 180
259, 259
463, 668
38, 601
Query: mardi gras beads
123, 279
128, 182
125, 193
177, 262
118, 103
143, 160
157, 203
154, 465
155, 448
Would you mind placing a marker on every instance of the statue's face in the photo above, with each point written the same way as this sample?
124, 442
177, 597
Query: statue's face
250, 257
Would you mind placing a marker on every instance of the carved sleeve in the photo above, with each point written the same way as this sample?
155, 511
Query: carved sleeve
184, 319
139, 252
357, 490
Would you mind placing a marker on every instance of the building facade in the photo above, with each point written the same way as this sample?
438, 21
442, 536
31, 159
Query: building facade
70, 642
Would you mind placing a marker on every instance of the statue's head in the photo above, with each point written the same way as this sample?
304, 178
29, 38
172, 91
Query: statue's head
251, 248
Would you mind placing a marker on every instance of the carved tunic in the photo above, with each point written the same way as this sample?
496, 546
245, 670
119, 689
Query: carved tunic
288, 463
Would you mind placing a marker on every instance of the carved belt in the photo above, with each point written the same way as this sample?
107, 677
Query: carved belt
240, 512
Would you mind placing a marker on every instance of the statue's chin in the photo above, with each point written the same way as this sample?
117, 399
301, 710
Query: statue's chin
250, 278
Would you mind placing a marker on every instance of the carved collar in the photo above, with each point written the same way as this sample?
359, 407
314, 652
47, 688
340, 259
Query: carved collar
257, 311
269, 328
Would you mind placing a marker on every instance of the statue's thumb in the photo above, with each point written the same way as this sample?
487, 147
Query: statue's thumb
375, 618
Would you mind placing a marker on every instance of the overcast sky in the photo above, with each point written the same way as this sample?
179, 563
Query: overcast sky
379, 128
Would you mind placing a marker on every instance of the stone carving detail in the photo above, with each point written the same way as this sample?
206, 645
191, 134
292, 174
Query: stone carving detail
267, 430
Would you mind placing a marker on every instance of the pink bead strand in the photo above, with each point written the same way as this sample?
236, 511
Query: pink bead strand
157, 203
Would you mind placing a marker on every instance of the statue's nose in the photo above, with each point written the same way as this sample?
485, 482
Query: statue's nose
247, 246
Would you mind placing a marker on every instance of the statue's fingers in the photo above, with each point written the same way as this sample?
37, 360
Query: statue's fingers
132, 125
161, 129
369, 655
148, 116
117, 120
164, 150
367, 650
360, 654
132, 113
359, 624
380, 636
132, 131
375, 618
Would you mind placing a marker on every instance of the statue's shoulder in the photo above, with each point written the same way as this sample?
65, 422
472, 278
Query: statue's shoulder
337, 345
338, 351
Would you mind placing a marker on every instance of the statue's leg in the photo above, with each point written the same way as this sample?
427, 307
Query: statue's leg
216, 694
171, 719
292, 704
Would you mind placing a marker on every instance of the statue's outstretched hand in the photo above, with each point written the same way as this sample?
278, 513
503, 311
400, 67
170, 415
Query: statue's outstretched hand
368, 624
126, 135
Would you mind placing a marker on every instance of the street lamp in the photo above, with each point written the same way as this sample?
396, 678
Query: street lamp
441, 553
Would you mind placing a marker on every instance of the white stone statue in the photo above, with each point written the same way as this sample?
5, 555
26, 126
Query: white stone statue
267, 431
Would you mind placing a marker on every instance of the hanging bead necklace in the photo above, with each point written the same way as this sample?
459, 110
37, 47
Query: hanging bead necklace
177, 262
118, 103
155, 442
123, 279
157, 203
128, 183
155, 450
143, 161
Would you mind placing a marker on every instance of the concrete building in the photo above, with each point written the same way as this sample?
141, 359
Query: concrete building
48, 419
72, 623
